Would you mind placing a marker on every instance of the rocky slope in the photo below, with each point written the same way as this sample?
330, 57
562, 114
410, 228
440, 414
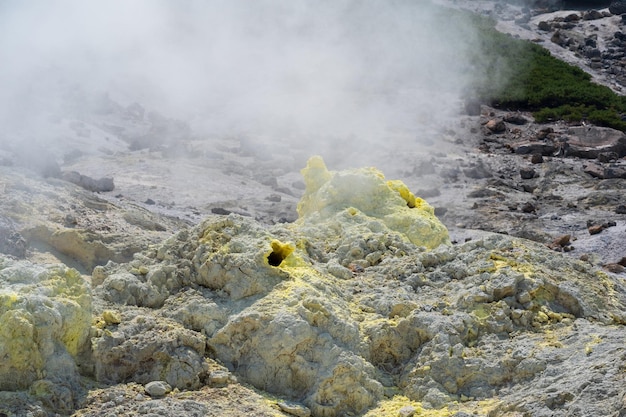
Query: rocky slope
489, 281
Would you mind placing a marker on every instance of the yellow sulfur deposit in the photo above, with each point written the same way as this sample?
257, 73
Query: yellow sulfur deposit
393, 408
365, 191
279, 252
46, 315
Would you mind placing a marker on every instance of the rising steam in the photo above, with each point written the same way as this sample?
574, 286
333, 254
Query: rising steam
296, 69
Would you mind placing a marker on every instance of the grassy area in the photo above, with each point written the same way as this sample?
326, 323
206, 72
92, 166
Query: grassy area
537, 82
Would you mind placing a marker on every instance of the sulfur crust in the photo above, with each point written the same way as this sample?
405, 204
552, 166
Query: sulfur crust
43, 309
365, 190
392, 406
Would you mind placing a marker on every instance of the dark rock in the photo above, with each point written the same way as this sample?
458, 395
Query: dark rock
440, 211
592, 15
561, 244
545, 26
529, 207
529, 188
542, 148
608, 156
595, 229
593, 52
562, 240
598, 171
617, 7
220, 211
527, 173
495, 126
614, 268
149, 201
536, 158
572, 17
622, 261
559, 39
88, 183
621, 209
544, 133
515, 118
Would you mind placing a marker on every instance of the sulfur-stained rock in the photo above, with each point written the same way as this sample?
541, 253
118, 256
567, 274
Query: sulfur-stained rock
45, 316
364, 194
345, 307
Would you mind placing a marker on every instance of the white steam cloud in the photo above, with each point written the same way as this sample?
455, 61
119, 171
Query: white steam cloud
283, 68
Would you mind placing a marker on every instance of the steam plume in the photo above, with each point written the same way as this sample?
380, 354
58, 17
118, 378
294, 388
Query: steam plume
296, 69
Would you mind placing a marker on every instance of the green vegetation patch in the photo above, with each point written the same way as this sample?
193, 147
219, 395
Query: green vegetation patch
521, 75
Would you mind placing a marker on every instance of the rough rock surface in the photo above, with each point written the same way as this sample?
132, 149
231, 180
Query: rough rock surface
360, 319
372, 303
46, 318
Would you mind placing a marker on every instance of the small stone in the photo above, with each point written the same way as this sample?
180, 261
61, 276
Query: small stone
615, 268
536, 158
294, 409
563, 240
220, 211
621, 209
157, 388
407, 411
527, 173
545, 26
219, 378
496, 126
595, 229
529, 207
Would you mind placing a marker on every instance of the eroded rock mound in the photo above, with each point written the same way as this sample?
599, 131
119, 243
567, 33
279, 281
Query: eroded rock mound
45, 316
348, 306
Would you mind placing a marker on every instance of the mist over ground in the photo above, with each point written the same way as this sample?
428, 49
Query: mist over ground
299, 71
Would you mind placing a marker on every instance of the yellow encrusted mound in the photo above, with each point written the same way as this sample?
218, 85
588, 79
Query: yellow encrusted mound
45, 315
365, 191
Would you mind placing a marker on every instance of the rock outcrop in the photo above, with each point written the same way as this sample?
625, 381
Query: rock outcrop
46, 318
343, 312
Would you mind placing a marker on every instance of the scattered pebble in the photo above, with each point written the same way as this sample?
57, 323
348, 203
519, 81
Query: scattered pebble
157, 388
407, 411
294, 409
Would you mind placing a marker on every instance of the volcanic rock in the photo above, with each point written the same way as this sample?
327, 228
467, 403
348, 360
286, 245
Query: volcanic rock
495, 126
617, 7
527, 173
88, 183
158, 388
46, 317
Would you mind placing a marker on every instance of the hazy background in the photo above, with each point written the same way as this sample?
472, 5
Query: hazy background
300, 71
